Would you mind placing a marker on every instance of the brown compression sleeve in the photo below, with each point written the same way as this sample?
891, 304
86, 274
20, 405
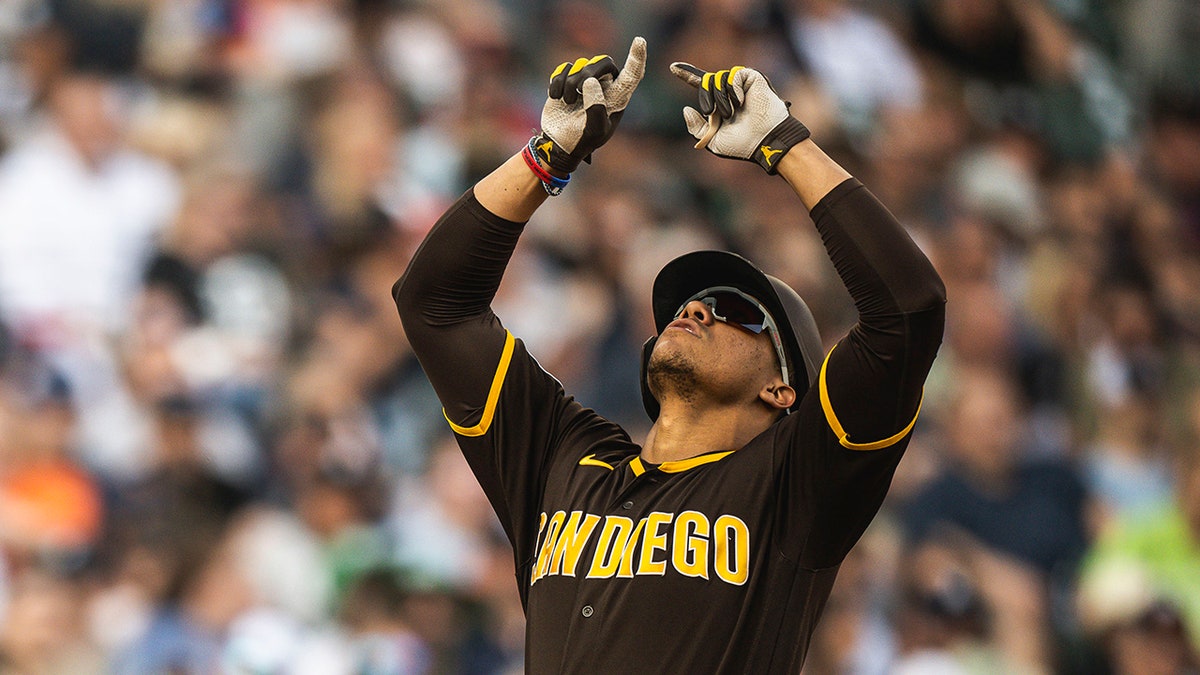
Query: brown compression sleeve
878, 262
444, 302
874, 377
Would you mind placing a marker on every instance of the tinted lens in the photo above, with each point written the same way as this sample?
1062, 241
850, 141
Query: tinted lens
733, 308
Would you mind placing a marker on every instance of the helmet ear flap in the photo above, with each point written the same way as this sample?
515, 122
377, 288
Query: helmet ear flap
648, 401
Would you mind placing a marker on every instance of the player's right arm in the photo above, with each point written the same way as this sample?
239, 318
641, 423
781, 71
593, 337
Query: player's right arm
499, 403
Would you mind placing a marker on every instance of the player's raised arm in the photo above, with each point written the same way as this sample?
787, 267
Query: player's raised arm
504, 409
870, 385
586, 100
444, 297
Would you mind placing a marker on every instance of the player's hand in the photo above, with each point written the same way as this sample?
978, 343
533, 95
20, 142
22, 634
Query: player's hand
586, 101
740, 115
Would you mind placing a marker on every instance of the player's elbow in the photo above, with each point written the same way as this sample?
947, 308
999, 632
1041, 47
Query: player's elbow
931, 296
937, 295
427, 307
419, 329
408, 303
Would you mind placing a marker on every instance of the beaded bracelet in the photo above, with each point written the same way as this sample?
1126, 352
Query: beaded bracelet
552, 184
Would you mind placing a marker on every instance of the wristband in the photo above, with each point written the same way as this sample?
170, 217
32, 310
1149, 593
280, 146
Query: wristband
787, 133
551, 183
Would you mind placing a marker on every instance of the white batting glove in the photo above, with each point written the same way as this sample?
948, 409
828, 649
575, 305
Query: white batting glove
586, 101
740, 115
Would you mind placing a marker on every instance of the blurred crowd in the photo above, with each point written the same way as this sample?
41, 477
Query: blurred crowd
218, 454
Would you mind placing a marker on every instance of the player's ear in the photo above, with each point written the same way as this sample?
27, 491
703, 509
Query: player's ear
777, 395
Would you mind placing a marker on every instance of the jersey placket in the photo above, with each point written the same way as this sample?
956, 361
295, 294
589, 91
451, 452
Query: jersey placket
637, 483
630, 501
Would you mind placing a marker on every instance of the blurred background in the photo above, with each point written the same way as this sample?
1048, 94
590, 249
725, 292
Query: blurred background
218, 454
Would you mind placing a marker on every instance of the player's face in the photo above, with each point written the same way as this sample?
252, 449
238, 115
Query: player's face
716, 346
733, 307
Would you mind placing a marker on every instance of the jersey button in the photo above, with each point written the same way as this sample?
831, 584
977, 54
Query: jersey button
587, 611
627, 505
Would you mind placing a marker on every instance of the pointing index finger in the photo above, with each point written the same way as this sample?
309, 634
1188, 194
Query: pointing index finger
688, 73
635, 63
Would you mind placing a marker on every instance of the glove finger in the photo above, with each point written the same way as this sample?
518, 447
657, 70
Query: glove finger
687, 72
618, 93
584, 69
570, 94
558, 80
593, 93
635, 63
720, 86
597, 125
707, 101
737, 94
696, 122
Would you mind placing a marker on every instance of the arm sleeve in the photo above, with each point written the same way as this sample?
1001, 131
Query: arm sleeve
870, 384
509, 416
854, 423
444, 300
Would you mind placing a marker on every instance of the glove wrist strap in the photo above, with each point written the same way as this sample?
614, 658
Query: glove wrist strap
552, 154
776, 144
552, 184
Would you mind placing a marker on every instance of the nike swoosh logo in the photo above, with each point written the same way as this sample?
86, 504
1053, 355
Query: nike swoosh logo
591, 461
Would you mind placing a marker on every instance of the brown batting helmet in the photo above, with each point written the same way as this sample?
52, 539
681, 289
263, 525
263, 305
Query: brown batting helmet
691, 273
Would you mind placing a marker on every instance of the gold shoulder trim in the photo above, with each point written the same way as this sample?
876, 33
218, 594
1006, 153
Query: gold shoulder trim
840, 432
489, 408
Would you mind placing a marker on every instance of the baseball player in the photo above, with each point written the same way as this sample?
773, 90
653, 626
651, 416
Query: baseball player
711, 545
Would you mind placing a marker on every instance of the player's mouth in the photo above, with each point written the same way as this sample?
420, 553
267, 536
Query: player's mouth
683, 324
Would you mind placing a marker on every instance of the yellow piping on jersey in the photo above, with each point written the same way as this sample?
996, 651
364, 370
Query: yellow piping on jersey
836, 426
489, 408
636, 465
591, 461
678, 465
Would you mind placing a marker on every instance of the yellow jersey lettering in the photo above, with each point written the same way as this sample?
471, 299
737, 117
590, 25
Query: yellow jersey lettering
732, 559
541, 528
613, 539
537, 546
571, 540
625, 571
548, 544
653, 540
689, 543
689, 550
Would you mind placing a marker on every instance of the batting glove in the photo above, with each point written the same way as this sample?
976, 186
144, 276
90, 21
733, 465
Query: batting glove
586, 101
740, 115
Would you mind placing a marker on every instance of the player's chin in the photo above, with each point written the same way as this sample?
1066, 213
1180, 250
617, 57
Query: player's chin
670, 367
671, 344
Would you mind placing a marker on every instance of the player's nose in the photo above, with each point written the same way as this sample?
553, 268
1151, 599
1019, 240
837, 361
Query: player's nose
697, 311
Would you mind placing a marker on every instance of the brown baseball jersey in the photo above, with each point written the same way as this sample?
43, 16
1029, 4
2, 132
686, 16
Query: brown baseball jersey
720, 563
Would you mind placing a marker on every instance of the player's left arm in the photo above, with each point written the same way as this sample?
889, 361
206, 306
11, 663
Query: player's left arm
870, 384
837, 452
868, 393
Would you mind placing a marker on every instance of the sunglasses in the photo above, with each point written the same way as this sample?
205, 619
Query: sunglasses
731, 306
